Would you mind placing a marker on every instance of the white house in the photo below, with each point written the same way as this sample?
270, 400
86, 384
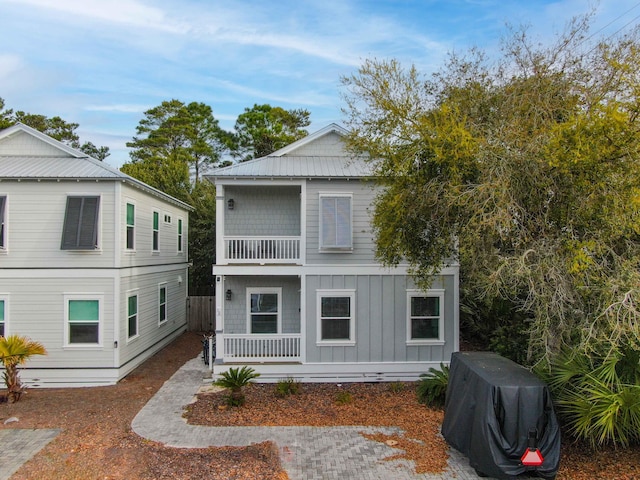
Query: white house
93, 263
298, 291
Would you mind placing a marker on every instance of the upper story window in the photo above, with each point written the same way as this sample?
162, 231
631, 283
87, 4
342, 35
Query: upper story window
3, 229
264, 309
131, 226
425, 317
156, 231
80, 231
336, 222
179, 235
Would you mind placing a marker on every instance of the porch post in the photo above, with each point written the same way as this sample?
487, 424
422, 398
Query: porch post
219, 318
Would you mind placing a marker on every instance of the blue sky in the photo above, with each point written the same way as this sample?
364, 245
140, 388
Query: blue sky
102, 63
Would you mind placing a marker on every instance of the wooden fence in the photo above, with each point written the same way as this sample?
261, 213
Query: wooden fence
201, 314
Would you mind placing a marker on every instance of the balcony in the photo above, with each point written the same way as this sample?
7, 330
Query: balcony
260, 348
262, 249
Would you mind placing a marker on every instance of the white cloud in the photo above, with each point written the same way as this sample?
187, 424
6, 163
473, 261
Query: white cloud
124, 108
9, 65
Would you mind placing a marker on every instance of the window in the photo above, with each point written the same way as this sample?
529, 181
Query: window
132, 316
162, 304
179, 235
335, 222
83, 321
80, 231
131, 226
264, 310
425, 317
3, 324
156, 231
3, 234
336, 322
167, 218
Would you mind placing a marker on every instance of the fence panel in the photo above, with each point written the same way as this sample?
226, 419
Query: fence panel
201, 314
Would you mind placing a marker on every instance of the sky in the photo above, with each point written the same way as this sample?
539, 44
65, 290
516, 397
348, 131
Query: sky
103, 63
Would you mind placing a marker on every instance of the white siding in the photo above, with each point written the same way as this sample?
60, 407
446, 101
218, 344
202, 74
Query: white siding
34, 221
26, 145
325, 146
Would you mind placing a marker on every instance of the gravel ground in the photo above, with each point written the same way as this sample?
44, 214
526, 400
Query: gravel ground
96, 441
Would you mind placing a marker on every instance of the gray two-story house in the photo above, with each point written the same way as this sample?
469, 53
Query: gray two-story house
299, 292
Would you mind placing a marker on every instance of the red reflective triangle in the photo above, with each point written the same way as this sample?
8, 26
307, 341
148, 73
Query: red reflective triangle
532, 458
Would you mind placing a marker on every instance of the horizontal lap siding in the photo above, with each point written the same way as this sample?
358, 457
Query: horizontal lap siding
146, 286
145, 205
381, 320
35, 214
37, 310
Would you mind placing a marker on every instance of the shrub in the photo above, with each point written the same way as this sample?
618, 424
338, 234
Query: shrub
287, 386
396, 387
598, 397
235, 379
343, 398
432, 386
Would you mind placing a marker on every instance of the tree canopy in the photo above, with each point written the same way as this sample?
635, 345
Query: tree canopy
55, 127
526, 169
263, 129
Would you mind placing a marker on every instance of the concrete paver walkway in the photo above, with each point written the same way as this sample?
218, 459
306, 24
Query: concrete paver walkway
307, 453
19, 445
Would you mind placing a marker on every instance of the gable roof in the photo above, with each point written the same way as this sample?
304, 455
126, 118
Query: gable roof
284, 163
63, 163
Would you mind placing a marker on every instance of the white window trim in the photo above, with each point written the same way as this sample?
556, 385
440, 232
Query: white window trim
83, 296
166, 218
276, 290
351, 293
126, 225
439, 293
180, 236
129, 294
153, 230
4, 297
322, 248
5, 249
166, 303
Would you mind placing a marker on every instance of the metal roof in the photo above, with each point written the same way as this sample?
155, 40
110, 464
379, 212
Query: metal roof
298, 167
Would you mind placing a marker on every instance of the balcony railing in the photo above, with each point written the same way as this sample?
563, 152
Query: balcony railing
261, 348
262, 249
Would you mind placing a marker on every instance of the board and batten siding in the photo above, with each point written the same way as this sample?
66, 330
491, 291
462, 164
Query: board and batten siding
143, 253
150, 332
363, 242
34, 220
331, 144
381, 320
22, 144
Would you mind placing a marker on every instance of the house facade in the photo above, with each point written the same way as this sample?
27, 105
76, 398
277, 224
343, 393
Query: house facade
299, 292
93, 263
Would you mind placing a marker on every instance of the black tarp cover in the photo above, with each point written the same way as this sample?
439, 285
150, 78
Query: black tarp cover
491, 405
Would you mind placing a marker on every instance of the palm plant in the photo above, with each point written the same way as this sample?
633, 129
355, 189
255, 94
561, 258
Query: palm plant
15, 350
599, 397
432, 386
235, 379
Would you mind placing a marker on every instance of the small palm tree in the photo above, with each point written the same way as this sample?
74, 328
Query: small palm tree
15, 350
234, 379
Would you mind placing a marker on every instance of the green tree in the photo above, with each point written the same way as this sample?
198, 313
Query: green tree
15, 350
525, 169
202, 238
55, 127
263, 129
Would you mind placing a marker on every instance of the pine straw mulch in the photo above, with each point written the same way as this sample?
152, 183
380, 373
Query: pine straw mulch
96, 440
381, 405
324, 405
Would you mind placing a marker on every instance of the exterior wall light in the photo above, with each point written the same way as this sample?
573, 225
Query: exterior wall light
231, 204
227, 295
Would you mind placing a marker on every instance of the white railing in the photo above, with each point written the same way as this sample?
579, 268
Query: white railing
261, 348
262, 249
